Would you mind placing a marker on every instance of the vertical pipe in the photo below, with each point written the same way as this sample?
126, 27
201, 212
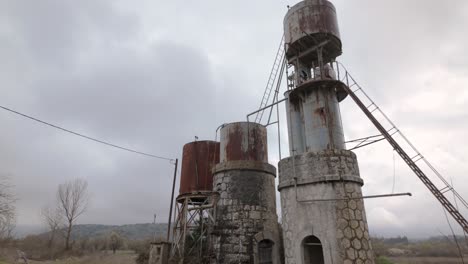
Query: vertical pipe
172, 200
279, 128
155, 228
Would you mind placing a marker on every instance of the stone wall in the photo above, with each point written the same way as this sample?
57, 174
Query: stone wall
246, 211
340, 225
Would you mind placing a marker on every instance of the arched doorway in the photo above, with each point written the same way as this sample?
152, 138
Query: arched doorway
313, 251
265, 251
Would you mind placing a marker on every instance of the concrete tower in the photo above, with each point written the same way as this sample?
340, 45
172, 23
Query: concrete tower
323, 222
246, 223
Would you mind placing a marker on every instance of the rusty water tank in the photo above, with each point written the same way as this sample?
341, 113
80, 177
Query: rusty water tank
198, 160
310, 23
244, 141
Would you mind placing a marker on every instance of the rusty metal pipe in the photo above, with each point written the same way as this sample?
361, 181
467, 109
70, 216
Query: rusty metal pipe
266, 107
357, 198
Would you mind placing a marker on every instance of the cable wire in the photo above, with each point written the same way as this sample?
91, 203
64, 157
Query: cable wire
84, 136
394, 172
454, 237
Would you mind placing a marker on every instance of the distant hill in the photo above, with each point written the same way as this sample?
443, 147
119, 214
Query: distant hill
134, 231
22, 231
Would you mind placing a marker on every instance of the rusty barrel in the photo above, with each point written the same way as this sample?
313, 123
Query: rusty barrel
198, 160
244, 141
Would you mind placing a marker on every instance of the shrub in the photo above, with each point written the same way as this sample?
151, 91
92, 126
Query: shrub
142, 249
382, 260
143, 258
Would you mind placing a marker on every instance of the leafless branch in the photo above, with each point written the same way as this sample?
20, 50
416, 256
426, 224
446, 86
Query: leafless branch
73, 199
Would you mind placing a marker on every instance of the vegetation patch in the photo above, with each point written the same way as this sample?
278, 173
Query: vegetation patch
383, 260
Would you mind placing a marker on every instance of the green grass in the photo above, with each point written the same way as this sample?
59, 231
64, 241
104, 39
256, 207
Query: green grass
383, 260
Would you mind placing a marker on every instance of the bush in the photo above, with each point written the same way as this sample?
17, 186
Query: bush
142, 249
382, 260
143, 258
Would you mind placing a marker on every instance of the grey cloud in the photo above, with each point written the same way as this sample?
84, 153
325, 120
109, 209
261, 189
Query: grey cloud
152, 75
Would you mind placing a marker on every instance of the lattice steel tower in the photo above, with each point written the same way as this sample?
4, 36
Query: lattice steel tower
322, 223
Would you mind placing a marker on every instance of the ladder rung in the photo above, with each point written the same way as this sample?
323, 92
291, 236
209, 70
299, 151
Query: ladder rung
445, 189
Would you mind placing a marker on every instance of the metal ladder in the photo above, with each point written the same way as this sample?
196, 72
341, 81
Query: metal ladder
370, 109
278, 66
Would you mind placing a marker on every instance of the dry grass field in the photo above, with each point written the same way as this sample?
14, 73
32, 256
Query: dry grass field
121, 257
425, 260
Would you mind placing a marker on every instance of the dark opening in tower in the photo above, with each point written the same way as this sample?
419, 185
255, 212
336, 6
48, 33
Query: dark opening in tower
265, 251
313, 251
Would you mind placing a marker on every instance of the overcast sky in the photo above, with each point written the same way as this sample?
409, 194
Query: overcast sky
151, 75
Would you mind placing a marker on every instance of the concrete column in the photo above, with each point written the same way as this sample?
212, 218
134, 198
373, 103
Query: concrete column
322, 119
295, 121
159, 253
340, 225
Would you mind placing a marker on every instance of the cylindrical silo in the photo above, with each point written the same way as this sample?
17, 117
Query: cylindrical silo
308, 24
246, 224
323, 215
243, 141
198, 161
296, 129
322, 120
195, 206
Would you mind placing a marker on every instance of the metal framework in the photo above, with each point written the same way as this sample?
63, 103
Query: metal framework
388, 130
366, 141
194, 217
405, 148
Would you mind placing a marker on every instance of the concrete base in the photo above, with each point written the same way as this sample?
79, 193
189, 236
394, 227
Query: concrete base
340, 226
159, 253
246, 225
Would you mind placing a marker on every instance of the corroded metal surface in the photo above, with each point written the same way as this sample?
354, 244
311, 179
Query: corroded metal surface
314, 118
244, 141
199, 158
295, 120
309, 23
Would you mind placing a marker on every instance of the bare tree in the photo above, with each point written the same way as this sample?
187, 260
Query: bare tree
73, 200
7, 209
53, 220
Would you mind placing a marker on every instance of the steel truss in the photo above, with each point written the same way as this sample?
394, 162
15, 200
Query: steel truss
194, 218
